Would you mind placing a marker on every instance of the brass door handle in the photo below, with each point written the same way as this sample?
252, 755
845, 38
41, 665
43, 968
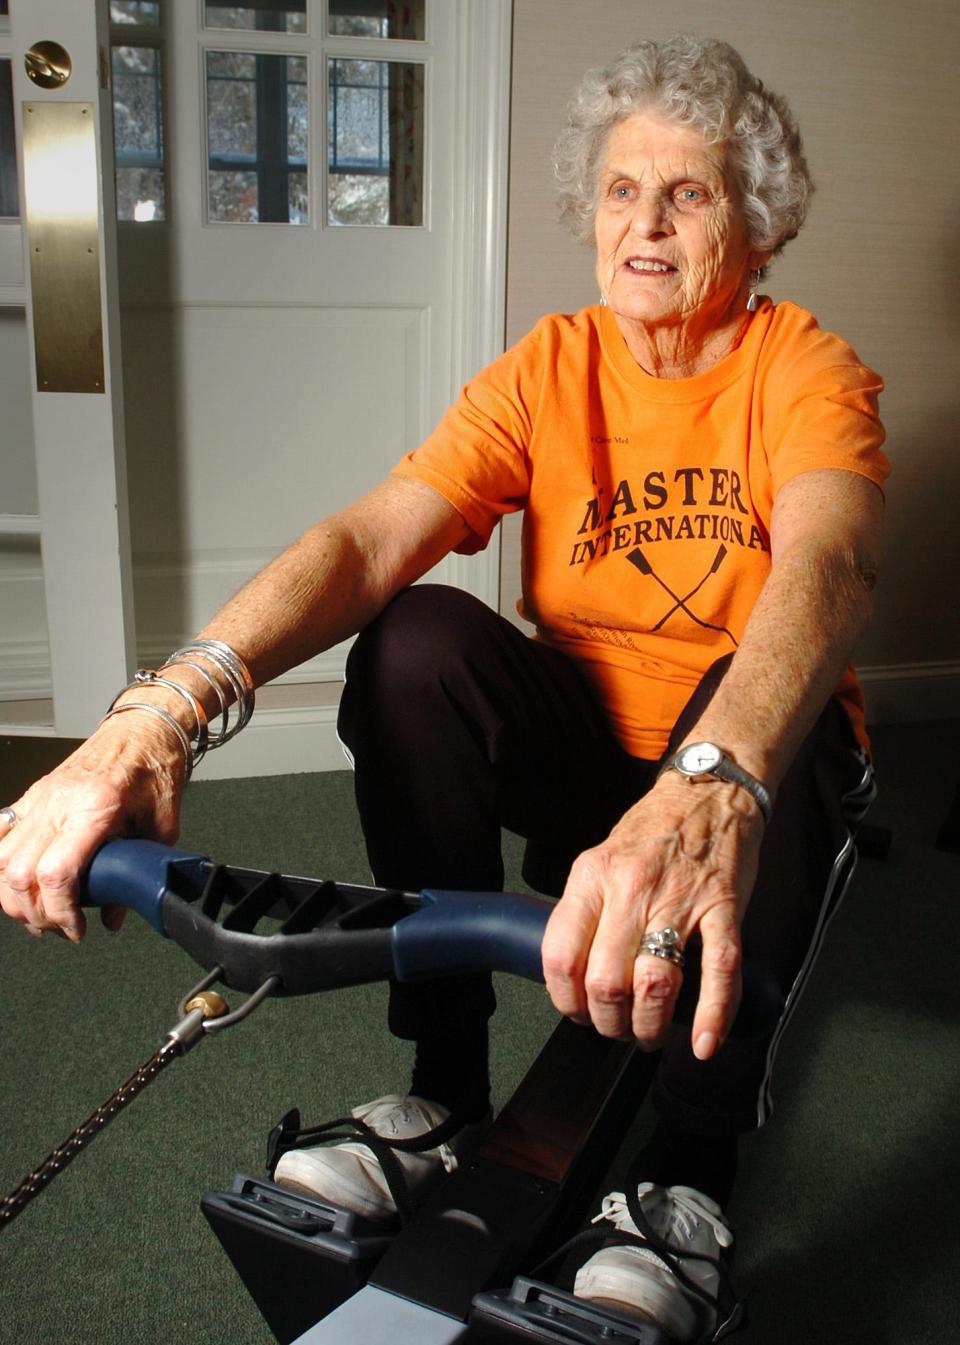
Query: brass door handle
48, 65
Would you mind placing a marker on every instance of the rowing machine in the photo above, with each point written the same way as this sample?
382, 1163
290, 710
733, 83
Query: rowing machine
528, 1184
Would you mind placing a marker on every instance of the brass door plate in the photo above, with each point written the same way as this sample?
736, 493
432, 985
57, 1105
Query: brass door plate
61, 194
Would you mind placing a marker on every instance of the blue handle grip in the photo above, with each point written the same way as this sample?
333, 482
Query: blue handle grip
455, 932
139, 874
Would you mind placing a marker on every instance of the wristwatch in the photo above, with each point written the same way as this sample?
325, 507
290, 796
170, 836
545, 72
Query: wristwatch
707, 761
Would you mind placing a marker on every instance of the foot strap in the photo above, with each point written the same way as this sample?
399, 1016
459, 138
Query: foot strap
729, 1308
288, 1134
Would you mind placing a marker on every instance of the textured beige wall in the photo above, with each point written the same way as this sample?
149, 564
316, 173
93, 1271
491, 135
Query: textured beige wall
873, 84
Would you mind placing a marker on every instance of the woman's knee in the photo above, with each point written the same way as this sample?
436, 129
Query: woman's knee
416, 656
420, 631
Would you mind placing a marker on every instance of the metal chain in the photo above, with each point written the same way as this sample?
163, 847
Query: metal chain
202, 1011
34, 1182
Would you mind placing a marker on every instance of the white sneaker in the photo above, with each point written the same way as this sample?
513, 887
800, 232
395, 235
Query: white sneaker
348, 1174
636, 1279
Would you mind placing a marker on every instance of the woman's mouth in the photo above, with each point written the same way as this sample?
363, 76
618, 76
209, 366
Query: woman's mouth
650, 266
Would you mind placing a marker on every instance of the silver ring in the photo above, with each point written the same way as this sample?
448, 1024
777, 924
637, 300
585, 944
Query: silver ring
9, 816
663, 943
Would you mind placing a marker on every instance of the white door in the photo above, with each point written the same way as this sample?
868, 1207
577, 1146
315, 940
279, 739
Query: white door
66, 620
278, 354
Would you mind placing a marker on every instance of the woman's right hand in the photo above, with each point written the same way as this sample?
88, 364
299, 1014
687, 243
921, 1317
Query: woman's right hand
126, 780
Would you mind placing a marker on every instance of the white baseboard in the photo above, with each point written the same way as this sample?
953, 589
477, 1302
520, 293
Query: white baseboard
286, 741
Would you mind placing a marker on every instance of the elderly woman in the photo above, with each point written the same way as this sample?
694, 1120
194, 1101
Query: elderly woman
682, 742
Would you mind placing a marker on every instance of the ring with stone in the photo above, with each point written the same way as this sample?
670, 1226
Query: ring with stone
9, 816
663, 943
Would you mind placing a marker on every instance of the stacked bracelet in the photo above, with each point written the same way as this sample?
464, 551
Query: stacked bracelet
175, 661
230, 679
234, 671
147, 677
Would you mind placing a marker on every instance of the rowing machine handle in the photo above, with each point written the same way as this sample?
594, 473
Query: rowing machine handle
456, 932
401, 934
481, 931
139, 875
337, 935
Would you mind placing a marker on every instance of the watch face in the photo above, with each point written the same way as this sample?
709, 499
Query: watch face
699, 758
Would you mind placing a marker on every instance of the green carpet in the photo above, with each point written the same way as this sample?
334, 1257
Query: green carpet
844, 1210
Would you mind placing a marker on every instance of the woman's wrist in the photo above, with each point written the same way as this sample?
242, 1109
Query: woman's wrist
202, 683
685, 793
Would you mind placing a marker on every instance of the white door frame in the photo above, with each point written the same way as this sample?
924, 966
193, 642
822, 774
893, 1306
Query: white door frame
78, 436
480, 253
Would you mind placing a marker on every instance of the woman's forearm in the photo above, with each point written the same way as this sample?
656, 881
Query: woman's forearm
815, 605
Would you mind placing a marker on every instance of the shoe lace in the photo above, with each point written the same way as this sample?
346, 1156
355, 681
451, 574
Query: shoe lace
729, 1310
288, 1134
684, 1215
633, 1228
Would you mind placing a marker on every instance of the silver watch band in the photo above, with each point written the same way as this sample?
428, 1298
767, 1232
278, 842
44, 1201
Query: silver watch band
723, 767
729, 770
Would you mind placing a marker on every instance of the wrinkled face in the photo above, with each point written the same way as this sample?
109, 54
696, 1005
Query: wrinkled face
670, 232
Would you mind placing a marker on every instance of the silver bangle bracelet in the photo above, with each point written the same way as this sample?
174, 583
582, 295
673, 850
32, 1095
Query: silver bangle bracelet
167, 718
147, 677
232, 657
174, 661
216, 649
240, 695
237, 675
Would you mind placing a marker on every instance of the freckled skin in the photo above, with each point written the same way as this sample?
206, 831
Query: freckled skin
667, 195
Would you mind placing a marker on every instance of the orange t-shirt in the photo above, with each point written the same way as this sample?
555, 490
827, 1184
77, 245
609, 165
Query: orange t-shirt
647, 502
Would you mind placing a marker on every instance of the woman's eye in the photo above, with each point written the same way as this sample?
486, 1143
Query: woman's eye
690, 196
622, 191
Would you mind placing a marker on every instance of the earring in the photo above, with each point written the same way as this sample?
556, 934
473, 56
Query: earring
603, 301
752, 299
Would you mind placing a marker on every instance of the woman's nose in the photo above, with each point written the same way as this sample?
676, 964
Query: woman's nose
651, 217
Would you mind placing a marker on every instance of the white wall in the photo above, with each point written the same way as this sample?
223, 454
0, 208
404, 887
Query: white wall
24, 652
873, 86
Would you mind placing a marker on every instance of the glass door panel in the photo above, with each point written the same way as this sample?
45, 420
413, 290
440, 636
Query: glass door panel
267, 16
374, 142
257, 138
9, 193
403, 19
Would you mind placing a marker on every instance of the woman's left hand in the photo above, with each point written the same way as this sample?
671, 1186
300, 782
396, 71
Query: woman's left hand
684, 856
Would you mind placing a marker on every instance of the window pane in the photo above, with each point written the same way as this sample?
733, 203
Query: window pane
258, 135
272, 16
377, 18
374, 142
138, 133
135, 11
9, 195
234, 196
354, 198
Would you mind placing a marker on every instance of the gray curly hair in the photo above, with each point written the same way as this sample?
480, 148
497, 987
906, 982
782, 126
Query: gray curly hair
697, 82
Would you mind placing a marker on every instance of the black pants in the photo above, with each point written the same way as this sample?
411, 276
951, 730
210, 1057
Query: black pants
458, 725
